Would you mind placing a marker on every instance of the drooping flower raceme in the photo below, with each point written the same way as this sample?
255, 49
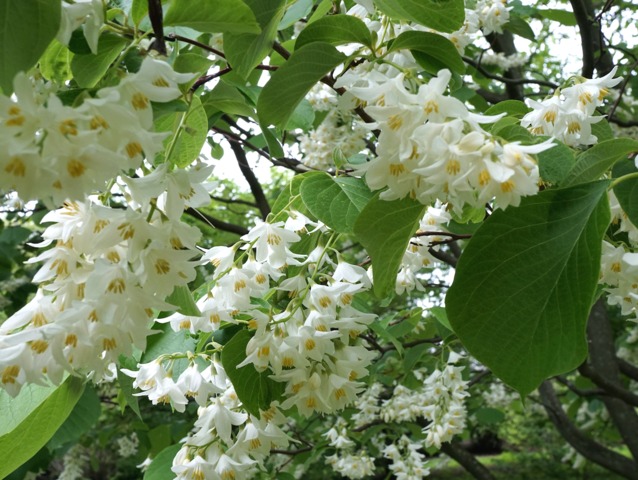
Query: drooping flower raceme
569, 114
432, 148
53, 151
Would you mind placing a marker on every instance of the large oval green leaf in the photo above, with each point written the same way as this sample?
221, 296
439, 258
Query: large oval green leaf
244, 51
337, 30
26, 29
41, 411
336, 202
384, 228
256, 390
525, 283
89, 69
441, 15
433, 51
290, 83
592, 163
212, 16
627, 190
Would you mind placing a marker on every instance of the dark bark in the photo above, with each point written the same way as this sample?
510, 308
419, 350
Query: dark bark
602, 367
156, 17
504, 43
595, 54
467, 461
584, 445
253, 183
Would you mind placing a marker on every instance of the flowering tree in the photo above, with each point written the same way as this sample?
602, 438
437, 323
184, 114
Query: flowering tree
311, 324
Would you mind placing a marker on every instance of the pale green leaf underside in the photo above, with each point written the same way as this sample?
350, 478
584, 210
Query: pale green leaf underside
34, 431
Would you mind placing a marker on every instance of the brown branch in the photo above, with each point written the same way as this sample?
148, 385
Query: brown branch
371, 424
511, 81
621, 90
467, 461
504, 43
207, 78
171, 37
628, 369
234, 201
584, 445
602, 368
253, 183
293, 452
609, 387
579, 391
156, 16
216, 223
595, 55
444, 257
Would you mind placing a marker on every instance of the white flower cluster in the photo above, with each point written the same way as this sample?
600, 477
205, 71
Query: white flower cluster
74, 463
309, 342
619, 272
338, 132
432, 148
447, 412
493, 15
504, 61
569, 114
107, 270
227, 442
127, 446
345, 460
407, 462
50, 150
440, 401
498, 396
417, 255
86, 13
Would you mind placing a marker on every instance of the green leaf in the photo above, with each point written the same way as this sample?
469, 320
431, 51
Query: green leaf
182, 298
290, 197
246, 50
602, 130
55, 64
165, 342
256, 390
554, 164
434, 51
274, 146
520, 27
88, 69
44, 417
442, 15
296, 11
524, 285
337, 30
139, 9
627, 191
593, 163
26, 29
160, 467
212, 16
564, 17
192, 63
302, 117
126, 394
336, 202
189, 133
441, 316
513, 108
85, 414
290, 83
384, 228
226, 98
386, 335
489, 416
